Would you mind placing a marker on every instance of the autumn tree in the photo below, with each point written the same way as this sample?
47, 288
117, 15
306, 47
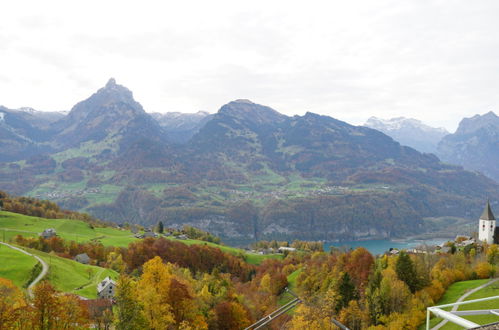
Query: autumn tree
129, 312
493, 254
45, 303
153, 293
231, 315
11, 302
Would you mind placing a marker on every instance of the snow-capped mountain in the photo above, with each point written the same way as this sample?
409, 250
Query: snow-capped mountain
410, 132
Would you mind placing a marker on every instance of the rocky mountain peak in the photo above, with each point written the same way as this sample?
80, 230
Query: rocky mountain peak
111, 83
252, 112
470, 125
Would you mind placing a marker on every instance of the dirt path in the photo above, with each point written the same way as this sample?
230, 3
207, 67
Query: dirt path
45, 267
464, 296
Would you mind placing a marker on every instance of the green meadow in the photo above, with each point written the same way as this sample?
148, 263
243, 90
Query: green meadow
15, 266
456, 290
12, 224
67, 275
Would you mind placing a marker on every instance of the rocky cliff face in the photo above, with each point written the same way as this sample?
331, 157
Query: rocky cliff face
474, 145
110, 113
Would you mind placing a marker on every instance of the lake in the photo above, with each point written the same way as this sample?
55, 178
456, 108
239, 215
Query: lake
380, 246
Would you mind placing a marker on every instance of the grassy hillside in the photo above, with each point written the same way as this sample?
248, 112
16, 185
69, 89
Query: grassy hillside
286, 297
15, 266
456, 290
12, 224
70, 276
490, 291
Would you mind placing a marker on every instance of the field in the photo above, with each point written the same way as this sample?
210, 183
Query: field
286, 297
458, 289
12, 224
70, 276
15, 266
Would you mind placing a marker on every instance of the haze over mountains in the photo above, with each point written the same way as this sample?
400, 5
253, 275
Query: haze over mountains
409, 132
474, 145
245, 172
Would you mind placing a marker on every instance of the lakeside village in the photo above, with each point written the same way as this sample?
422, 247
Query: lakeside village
487, 233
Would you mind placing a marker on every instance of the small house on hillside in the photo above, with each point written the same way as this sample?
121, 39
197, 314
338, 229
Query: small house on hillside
183, 237
282, 249
146, 234
150, 234
48, 233
106, 288
82, 258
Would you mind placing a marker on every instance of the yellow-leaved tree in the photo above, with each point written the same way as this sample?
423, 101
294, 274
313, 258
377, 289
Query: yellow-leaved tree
153, 288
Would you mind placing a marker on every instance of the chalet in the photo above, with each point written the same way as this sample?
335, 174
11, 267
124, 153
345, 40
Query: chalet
48, 233
282, 249
146, 234
82, 258
149, 234
183, 237
106, 288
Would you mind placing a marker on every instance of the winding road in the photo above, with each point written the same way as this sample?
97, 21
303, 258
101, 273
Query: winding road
464, 296
45, 267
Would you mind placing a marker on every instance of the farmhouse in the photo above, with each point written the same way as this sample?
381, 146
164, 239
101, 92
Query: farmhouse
285, 248
48, 233
106, 288
82, 258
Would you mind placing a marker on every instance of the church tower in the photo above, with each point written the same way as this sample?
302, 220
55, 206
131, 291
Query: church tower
487, 225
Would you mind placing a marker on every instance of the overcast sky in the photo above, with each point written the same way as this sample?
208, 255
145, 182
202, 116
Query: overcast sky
437, 61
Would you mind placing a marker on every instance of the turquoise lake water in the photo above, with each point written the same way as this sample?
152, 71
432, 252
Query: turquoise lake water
380, 246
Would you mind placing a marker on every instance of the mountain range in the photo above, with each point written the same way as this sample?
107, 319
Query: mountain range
410, 132
474, 145
245, 172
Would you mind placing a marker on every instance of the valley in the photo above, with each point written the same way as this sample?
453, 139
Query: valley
244, 173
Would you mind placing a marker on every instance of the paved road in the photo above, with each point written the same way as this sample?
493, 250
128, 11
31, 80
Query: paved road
462, 298
45, 267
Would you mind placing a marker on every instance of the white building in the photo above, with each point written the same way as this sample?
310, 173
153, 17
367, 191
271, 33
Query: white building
48, 233
285, 248
106, 288
487, 225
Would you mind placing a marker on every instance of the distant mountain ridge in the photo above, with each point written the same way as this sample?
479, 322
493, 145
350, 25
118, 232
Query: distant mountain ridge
181, 127
474, 145
245, 172
409, 132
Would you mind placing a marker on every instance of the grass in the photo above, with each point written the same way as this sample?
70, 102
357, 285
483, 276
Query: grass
15, 266
67, 275
453, 293
286, 297
458, 289
12, 224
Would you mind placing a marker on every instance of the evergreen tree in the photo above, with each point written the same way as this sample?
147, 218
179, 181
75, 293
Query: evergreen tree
160, 227
406, 271
346, 289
